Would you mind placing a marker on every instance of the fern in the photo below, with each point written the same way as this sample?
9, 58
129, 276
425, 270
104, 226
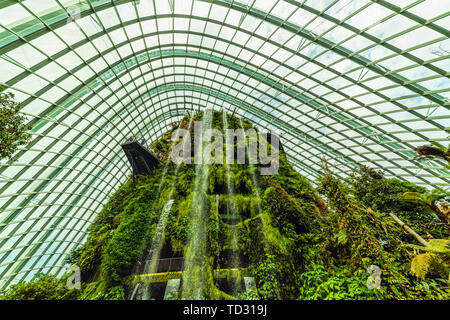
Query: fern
428, 263
342, 237
438, 246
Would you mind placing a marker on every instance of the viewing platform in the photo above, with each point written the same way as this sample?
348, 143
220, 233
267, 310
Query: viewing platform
142, 160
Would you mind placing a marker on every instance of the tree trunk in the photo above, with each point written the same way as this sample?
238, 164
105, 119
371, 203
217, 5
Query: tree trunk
409, 230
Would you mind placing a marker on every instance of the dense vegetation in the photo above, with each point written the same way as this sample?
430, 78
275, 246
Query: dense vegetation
44, 287
13, 131
300, 242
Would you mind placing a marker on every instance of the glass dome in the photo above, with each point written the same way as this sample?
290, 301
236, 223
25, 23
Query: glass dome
357, 82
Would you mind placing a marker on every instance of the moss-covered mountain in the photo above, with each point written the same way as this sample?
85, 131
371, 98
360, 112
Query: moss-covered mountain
299, 242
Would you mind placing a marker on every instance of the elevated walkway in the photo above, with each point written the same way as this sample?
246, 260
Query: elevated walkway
166, 276
142, 160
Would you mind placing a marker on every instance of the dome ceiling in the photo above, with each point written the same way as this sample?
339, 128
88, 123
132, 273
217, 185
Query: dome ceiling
356, 82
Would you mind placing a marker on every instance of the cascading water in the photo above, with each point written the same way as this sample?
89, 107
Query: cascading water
135, 290
230, 192
153, 256
152, 264
194, 277
255, 185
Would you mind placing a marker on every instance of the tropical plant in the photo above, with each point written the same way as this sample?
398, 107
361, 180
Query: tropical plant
439, 246
428, 200
372, 189
293, 242
320, 283
13, 131
43, 287
428, 263
436, 150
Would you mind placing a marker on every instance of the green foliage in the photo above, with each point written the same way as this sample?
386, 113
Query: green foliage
296, 245
356, 231
241, 179
285, 209
274, 259
184, 180
267, 281
213, 229
74, 256
428, 263
428, 200
244, 205
125, 245
44, 287
439, 246
321, 283
336, 192
178, 224
373, 190
88, 257
115, 293
349, 236
217, 182
291, 181
251, 294
386, 195
119, 233
13, 131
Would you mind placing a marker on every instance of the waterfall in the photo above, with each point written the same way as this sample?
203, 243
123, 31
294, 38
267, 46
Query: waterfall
255, 185
230, 192
153, 256
135, 290
194, 277
151, 265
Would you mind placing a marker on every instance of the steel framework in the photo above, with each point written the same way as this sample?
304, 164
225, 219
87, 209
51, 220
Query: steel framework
357, 82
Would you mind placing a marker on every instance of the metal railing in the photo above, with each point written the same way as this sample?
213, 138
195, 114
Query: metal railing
170, 264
